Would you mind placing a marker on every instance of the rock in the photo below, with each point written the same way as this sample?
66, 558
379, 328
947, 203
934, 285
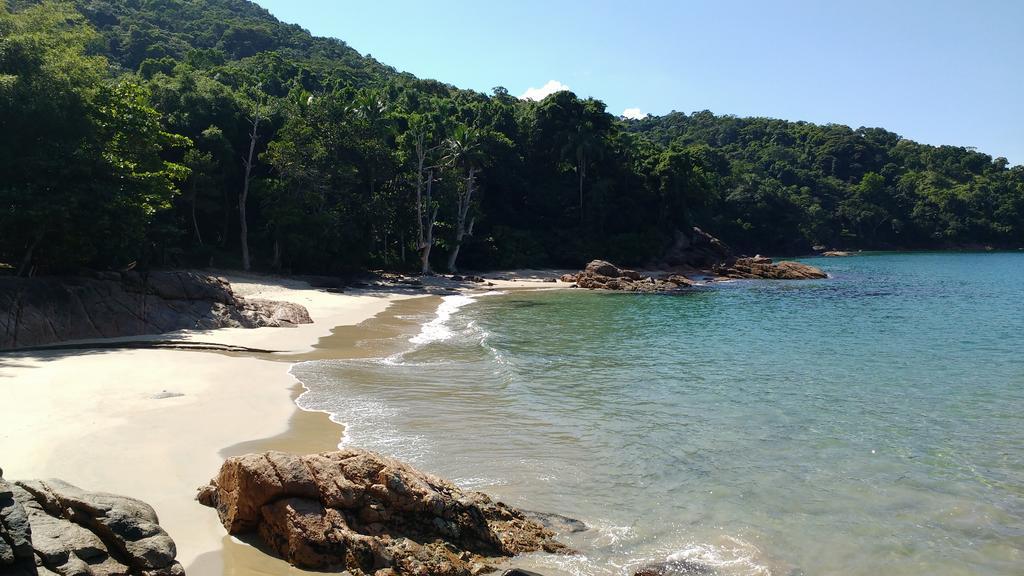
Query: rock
696, 249
278, 314
556, 522
836, 253
602, 268
16, 554
675, 568
764, 268
603, 275
550, 280
570, 278
46, 310
680, 280
520, 572
362, 512
53, 527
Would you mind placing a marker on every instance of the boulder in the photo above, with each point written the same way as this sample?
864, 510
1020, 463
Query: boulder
556, 522
570, 278
278, 314
53, 527
696, 248
359, 511
602, 268
837, 253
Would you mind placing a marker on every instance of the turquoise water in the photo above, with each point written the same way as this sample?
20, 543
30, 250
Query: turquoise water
871, 423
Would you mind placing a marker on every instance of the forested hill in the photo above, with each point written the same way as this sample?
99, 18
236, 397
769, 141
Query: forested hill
192, 132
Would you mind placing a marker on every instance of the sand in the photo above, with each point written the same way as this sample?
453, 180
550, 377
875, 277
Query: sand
157, 424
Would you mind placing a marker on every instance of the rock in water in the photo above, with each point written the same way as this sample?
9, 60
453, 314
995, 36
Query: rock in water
675, 568
359, 511
763, 268
600, 274
53, 527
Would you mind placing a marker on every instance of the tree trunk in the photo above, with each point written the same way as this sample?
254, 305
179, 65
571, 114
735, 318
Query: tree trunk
26, 261
244, 196
276, 264
426, 246
461, 230
195, 222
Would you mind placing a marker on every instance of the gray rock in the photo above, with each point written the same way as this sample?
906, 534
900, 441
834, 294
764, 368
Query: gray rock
556, 522
76, 532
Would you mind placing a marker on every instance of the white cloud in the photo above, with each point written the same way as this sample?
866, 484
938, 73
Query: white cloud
633, 113
544, 91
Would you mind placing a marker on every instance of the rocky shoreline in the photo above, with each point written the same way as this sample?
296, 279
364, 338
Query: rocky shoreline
45, 310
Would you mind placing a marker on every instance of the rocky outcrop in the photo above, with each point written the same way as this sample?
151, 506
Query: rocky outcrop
764, 268
52, 527
39, 311
836, 253
362, 512
695, 249
603, 275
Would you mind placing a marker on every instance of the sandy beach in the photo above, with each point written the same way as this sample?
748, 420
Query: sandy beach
157, 424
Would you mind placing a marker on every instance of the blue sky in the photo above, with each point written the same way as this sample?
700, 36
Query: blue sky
939, 71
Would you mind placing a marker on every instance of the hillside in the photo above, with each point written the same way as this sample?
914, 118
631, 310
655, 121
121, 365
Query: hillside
197, 132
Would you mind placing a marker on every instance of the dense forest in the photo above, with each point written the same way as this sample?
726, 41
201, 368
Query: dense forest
167, 133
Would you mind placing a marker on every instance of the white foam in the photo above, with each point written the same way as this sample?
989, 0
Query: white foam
733, 555
437, 330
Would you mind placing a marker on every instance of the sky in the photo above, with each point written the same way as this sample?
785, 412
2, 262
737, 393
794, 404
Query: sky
935, 71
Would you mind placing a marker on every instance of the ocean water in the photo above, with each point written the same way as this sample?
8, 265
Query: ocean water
871, 423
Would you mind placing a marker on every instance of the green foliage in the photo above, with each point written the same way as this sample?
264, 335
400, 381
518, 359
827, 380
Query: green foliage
107, 107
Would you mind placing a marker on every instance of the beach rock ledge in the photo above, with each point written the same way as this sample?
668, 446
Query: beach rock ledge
51, 527
359, 511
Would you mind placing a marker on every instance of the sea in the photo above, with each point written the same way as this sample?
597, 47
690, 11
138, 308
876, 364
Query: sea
871, 423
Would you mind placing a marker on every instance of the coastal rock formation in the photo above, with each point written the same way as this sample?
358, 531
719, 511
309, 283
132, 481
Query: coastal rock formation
362, 512
837, 253
39, 311
52, 527
696, 249
600, 274
764, 268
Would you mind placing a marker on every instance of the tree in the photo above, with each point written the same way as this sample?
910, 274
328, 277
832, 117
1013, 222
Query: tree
463, 151
255, 104
81, 172
421, 135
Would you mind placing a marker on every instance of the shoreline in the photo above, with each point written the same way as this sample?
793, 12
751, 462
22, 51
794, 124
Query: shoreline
156, 424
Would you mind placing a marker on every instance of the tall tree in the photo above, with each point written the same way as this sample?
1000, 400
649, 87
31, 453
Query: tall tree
256, 109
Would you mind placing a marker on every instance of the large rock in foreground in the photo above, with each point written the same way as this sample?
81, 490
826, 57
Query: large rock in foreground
50, 526
603, 275
359, 511
46, 310
764, 268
